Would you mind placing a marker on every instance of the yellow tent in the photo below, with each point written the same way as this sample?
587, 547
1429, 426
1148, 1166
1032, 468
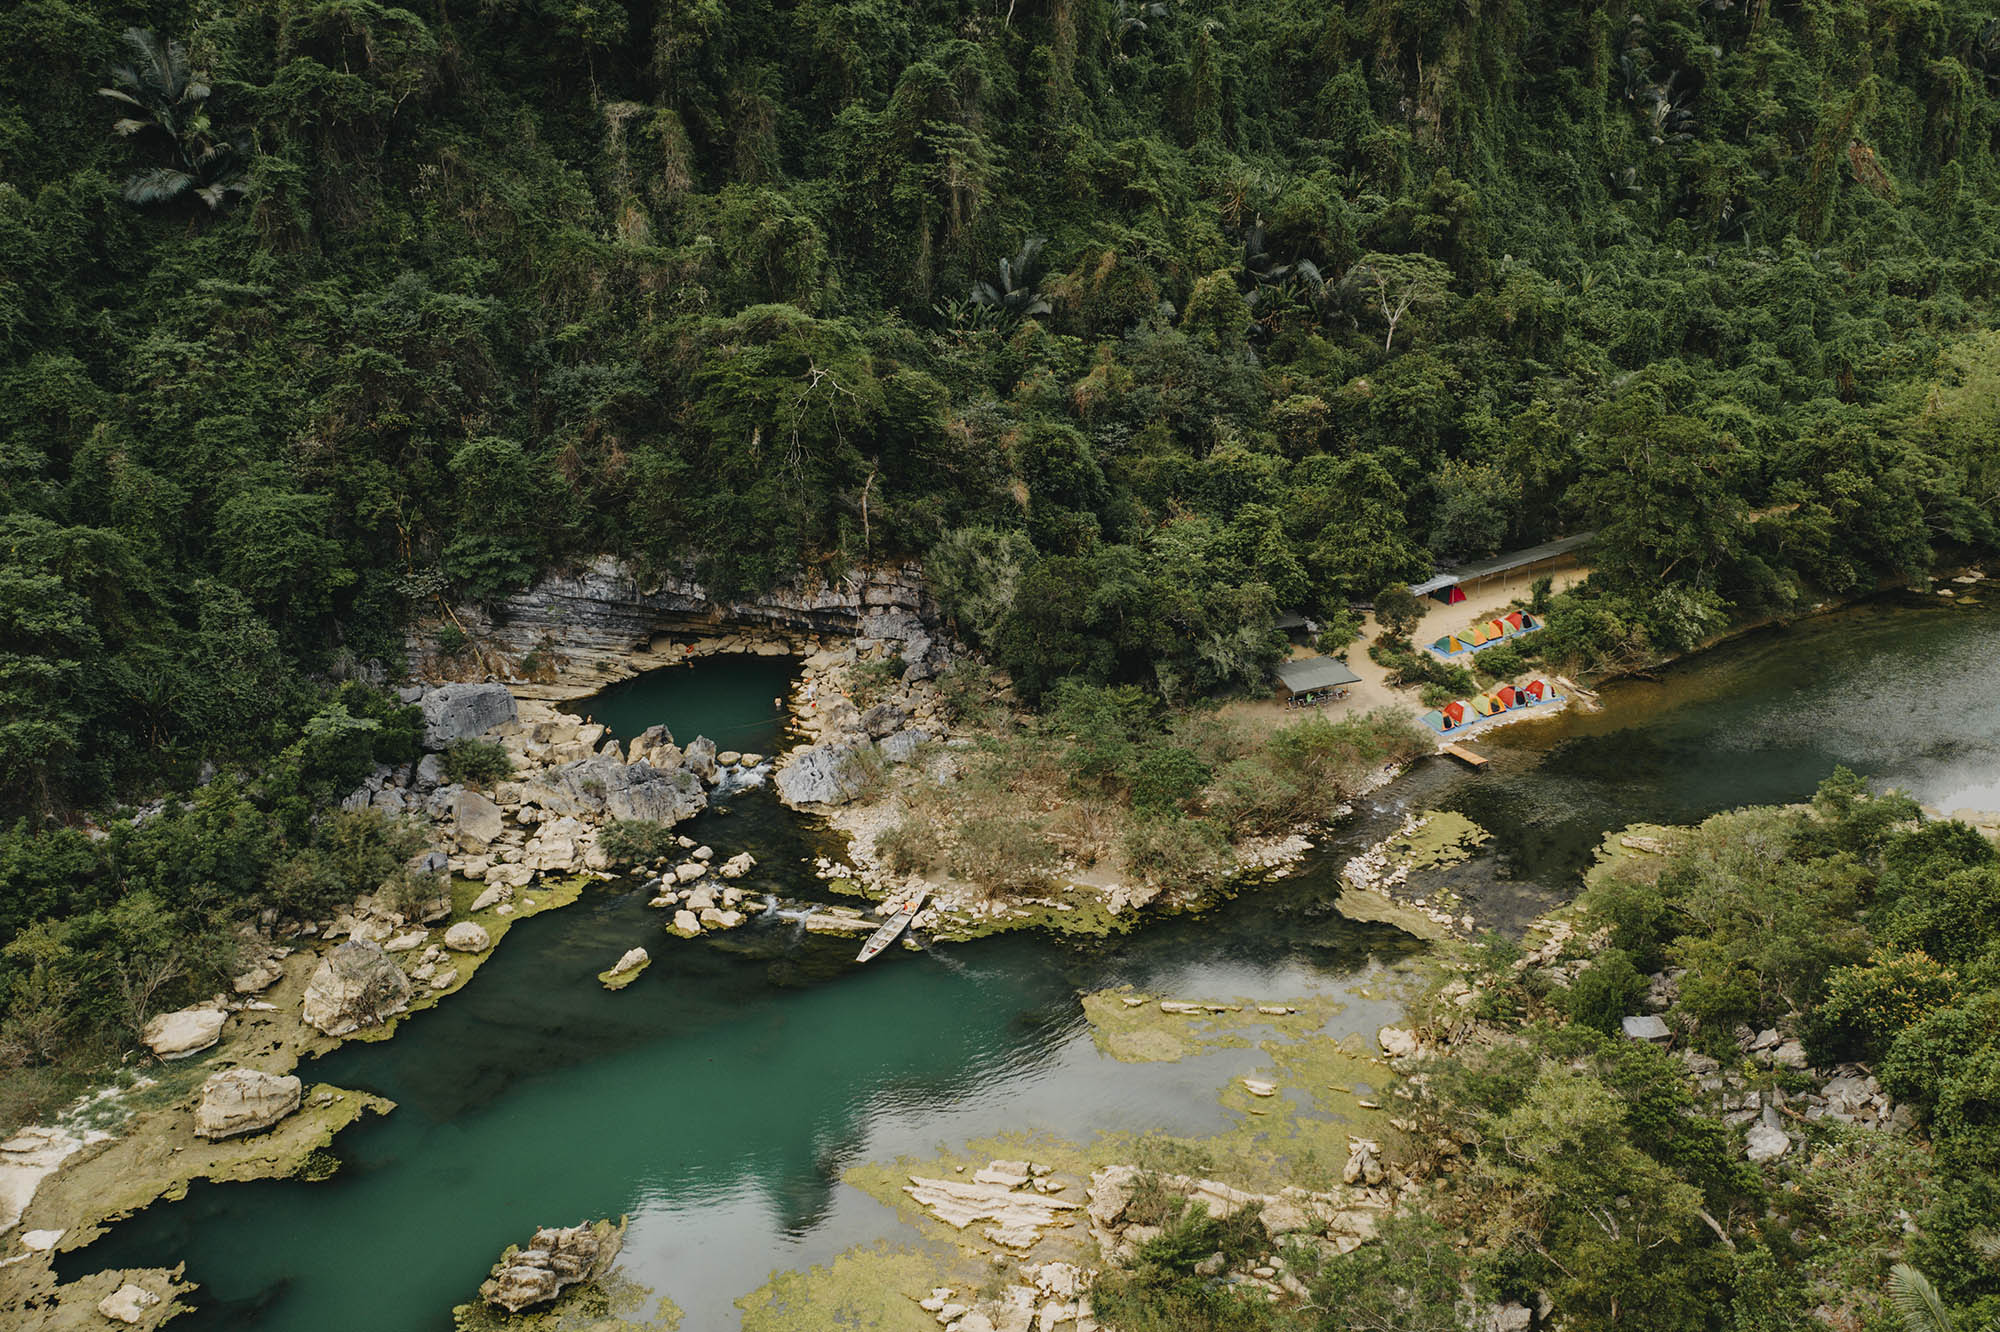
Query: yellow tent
1482, 705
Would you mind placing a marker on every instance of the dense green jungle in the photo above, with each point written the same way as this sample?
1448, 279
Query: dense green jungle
1137, 324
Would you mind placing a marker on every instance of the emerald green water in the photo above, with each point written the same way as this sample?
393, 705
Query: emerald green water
719, 1098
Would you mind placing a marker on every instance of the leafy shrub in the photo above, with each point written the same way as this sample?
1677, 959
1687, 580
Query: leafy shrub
630, 841
1176, 850
477, 762
1605, 991
1436, 695
908, 845
1502, 661
450, 639
1868, 1006
964, 693
872, 680
1167, 777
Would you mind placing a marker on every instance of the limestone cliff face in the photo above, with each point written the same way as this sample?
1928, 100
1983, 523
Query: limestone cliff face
574, 631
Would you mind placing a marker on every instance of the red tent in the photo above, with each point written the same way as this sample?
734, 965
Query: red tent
1535, 689
1512, 619
1454, 713
1504, 696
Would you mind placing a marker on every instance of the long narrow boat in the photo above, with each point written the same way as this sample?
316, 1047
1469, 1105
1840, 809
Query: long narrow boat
901, 914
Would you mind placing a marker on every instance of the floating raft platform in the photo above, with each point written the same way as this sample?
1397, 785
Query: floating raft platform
1466, 756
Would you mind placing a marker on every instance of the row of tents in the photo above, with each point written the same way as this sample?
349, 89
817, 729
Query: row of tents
1466, 711
1486, 633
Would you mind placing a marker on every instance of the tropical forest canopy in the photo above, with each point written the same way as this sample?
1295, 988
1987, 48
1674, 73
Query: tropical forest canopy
1143, 320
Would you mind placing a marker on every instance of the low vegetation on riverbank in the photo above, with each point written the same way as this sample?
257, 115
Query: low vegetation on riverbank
1106, 783
1799, 1128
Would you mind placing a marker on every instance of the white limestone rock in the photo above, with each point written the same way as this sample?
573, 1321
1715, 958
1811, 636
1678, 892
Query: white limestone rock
189, 1031
244, 1100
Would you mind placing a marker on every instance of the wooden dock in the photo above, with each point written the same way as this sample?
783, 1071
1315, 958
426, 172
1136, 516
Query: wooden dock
1465, 756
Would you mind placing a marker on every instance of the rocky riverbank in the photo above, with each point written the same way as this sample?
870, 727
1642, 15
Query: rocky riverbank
577, 631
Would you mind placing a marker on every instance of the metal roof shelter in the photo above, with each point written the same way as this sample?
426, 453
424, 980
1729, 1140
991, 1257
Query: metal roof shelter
1480, 570
1310, 674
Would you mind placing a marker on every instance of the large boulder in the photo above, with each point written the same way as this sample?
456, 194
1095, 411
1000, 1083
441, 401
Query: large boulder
822, 775
244, 1100
1765, 1143
127, 1304
903, 745
601, 787
553, 1260
699, 758
478, 820
655, 745
178, 1035
468, 936
883, 718
356, 985
460, 711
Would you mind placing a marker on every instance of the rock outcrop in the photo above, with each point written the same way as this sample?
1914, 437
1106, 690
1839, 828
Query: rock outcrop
821, 775
244, 1100
601, 787
178, 1035
457, 712
476, 820
356, 985
589, 621
128, 1304
554, 1260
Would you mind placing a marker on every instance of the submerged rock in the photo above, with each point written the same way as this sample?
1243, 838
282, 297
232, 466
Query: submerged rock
178, 1035
554, 1260
244, 1100
355, 986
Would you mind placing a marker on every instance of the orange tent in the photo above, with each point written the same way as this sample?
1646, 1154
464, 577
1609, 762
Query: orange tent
1496, 629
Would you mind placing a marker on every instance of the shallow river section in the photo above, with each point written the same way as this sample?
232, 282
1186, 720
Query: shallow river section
718, 1099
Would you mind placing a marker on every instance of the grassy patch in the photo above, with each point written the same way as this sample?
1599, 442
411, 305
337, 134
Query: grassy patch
1444, 837
160, 1157
1144, 1033
871, 1288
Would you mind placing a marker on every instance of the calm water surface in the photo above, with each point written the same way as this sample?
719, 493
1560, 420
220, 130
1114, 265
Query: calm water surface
718, 1099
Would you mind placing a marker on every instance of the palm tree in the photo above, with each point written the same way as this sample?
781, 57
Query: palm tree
1014, 296
169, 103
1265, 271
1916, 1299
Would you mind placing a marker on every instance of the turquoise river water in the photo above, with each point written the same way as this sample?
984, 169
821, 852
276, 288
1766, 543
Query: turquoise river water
718, 1099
